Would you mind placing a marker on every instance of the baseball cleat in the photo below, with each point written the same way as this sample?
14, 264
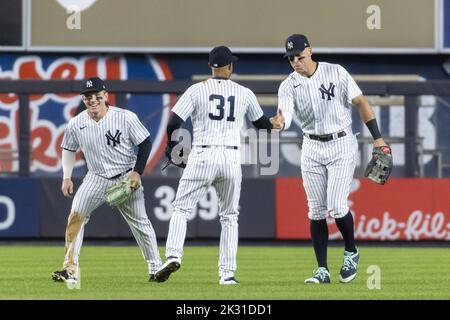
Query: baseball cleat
171, 265
348, 270
151, 277
321, 275
71, 280
62, 276
228, 281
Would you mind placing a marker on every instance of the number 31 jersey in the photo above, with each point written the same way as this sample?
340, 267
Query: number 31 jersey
217, 108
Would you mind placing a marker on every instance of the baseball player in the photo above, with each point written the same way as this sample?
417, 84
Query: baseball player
320, 95
107, 137
217, 108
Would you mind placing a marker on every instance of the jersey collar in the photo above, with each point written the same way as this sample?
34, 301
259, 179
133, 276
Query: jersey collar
317, 66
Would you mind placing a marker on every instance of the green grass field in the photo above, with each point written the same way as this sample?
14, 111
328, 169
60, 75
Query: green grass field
264, 273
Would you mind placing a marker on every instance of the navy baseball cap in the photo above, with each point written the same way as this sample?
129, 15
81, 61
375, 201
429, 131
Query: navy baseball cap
294, 44
94, 84
220, 57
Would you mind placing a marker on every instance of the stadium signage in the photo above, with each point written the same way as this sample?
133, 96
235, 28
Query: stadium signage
415, 226
408, 211
10, 211
50, 113
19, 207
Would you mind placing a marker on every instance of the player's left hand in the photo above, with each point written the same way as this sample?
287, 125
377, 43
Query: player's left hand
380, 166
380, 143
135, 180
120, 192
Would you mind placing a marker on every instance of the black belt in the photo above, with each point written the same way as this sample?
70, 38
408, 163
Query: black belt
227, 147
120, 174
326, 137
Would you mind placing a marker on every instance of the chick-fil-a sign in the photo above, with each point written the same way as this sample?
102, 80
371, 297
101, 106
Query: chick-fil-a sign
403, 209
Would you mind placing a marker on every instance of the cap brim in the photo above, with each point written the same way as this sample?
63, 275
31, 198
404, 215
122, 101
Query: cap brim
92, 90
294, 52
233, 59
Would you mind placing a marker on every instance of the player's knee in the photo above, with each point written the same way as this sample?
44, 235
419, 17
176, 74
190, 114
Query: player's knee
338, 213
229, 219
180, 212
317, 215
317, 210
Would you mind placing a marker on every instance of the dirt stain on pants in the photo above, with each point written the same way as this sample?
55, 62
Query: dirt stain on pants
74, 224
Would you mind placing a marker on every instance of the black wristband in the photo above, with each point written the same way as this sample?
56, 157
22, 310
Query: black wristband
263, 123
373, 128
144, 149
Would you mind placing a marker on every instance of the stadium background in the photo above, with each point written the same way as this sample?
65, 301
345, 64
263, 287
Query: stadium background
412, 44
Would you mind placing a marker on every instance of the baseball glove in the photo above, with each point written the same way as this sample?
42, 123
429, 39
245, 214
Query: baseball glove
380, 166
119, 193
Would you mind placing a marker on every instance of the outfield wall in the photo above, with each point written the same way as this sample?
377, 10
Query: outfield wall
403, 209
50, 112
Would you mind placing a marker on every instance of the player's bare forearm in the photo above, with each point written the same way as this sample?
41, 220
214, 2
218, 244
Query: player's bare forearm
365, 110
366, 114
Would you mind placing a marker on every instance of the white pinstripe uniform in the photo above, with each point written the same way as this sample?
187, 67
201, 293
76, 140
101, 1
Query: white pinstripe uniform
322, 104
108, 147
217, 108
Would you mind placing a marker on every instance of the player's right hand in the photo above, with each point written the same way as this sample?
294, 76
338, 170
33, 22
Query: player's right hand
135, 180
67, 188
278, 120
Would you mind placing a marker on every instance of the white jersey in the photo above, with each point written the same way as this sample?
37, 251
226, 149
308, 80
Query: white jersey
108, 145
321, 102
217, 108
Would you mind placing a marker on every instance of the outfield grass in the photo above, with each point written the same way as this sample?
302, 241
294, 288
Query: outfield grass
264, 273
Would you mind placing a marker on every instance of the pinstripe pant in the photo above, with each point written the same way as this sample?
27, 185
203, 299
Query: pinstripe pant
327, 171
221, 168
90, 196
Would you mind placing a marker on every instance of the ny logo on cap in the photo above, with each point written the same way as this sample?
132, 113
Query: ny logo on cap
290, 45
89, 84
